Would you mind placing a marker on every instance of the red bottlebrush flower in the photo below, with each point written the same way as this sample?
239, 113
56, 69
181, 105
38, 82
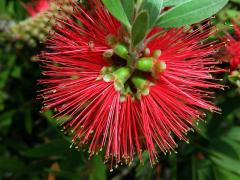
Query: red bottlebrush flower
36, 7
109, 101
232, 50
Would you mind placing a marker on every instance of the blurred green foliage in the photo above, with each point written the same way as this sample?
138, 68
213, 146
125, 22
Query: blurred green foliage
32, 146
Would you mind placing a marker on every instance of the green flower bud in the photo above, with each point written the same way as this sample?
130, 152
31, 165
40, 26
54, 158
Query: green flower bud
157, 54
142, 85
121, 76
139, 82
150, 64
145, 64
121, 50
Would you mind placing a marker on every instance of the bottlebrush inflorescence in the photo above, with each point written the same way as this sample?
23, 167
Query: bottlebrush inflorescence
126, 99
41, 21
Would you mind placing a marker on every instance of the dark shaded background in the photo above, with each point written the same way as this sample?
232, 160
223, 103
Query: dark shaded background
33, 147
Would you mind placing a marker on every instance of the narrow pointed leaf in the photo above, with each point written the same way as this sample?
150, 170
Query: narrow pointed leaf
222, 174
191, 12
153, 7
234, 133
116, 9
140, 28
236, 1
54, 148
128, 6
99, 169
226, 162
173, 2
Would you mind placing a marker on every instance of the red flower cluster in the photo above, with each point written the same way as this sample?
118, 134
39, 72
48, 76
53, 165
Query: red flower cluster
233, 48
36, 7
127, 109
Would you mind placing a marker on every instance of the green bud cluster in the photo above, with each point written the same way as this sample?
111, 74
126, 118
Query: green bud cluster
130, 76
36, 29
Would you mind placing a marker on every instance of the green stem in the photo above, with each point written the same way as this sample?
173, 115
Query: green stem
153, 36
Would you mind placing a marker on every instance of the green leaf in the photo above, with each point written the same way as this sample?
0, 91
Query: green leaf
28, 121
226, 146
98, 169
191, 12
6, 120
2, 6
54, 148
116, 9
234, 133
201, 169
232, 13
202, 129
225, 162
173, 2
222, 174
11, 165
153, 7
5, 73
236, 1
144, 172
16, 72
10, 8
140, 28
234, 145
128, 6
